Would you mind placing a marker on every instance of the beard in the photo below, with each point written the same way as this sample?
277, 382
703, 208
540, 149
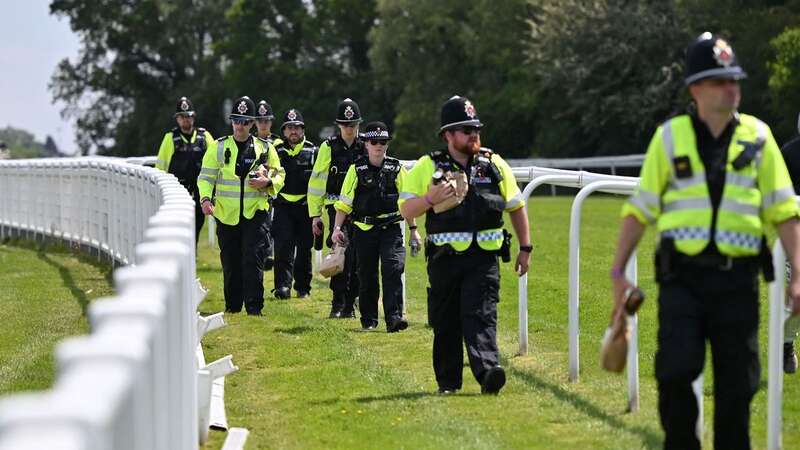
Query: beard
469, 147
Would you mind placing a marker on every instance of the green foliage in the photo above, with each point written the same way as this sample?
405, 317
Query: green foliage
784, 80
21, 143
606, 77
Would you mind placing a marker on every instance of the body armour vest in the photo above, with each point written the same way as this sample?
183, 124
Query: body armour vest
297, 167
187, 158
376, 192
341, 160
482, 208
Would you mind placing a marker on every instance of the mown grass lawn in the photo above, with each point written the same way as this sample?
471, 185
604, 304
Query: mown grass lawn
309, 382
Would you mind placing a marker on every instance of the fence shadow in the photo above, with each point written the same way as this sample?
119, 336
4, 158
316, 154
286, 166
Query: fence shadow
68, 280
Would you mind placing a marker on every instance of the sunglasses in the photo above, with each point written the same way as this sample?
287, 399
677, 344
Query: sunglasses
238, 121
374, 142
468, 130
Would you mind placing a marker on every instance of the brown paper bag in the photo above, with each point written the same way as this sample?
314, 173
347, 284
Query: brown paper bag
614, 350
459, 183
333, 263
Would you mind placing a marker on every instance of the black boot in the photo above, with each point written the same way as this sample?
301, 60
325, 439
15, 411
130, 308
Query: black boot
349, 310
789, 358
337, 307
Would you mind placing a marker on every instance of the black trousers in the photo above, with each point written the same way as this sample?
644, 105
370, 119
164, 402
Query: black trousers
462, 306
344, 285
242, 249
720, 307
384, 244
291, 228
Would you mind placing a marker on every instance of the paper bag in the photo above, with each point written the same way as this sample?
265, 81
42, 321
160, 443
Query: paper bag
614, 350
460, 185
333, 263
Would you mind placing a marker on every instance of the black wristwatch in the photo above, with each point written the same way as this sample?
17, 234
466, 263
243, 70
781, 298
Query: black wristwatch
526, 248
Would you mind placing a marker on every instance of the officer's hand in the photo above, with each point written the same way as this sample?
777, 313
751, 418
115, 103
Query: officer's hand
317, 228
208, 207
261, 182
523, 262
438, 193
620, 286
339, 238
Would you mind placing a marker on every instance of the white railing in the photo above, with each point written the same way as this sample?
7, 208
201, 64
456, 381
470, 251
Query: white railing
132, 383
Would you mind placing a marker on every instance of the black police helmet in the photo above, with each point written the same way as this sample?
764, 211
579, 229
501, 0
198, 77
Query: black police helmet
710, 56
458, 112
347, 112
293, 117
184, 107
264, 111
243, 108
376, 131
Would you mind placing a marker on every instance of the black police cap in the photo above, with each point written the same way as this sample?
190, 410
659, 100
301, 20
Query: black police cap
184, 107
710, 56
376, 131
347, 112
457, 112
293, 117
243, 108
264, 111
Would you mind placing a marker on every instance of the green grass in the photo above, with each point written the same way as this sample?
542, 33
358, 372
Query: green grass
309, 382
44, 292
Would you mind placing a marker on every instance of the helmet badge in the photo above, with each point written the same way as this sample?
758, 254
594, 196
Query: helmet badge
723, 53
262, 110
242, 108
291, 115
184, 105
348, 112
469, 109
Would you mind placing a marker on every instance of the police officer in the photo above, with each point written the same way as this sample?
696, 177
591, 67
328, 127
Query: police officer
292, 225
463, 244
791, 155
336, 155
264, 117
233, 187
369, 194
181, 154
711, 181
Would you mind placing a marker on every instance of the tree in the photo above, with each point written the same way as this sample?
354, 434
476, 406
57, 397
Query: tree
605, 76
424, 52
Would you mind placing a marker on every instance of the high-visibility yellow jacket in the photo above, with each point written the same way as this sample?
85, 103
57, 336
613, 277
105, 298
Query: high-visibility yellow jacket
167, 148
333, 160
674, 195
419, 179
218, 177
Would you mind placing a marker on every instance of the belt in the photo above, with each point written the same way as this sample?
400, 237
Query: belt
368, 220
717, 261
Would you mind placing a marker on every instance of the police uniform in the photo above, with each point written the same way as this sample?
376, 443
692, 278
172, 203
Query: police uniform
334, 159
710, 199
292, 225
264, 112
240, 211
369, 195
462, 246
182, 156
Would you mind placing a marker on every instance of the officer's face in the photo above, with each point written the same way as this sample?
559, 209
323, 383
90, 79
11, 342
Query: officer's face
465, 140
241, 129
294, 133
185, 122
348, 131
377, 149
264, 126
716, 95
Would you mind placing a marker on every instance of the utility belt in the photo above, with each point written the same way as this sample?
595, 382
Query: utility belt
670, 262
281, 200
433, 251
378, 221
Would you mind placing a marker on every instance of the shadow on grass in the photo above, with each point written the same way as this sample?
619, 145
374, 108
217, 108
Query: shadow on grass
297, 330
69, 281
394, 397
651, 439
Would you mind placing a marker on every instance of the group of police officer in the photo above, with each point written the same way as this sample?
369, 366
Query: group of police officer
711, 181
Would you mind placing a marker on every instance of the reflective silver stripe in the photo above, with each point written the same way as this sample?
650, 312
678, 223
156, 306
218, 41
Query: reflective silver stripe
683, 183
514, 202
683, 233
689, 203
235, 194
648, 198
443, 238
777, 197
492, 235
740, 208
220, 151
761, 132
208, 178
223, 182
254, 194
642, 207
740, 180
669, 145
320, 175
407, 195
208, 171
315, 191
346, 200
738, 239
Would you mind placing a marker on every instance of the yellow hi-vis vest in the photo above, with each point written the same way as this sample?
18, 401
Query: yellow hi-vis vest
673, 191
219, 172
